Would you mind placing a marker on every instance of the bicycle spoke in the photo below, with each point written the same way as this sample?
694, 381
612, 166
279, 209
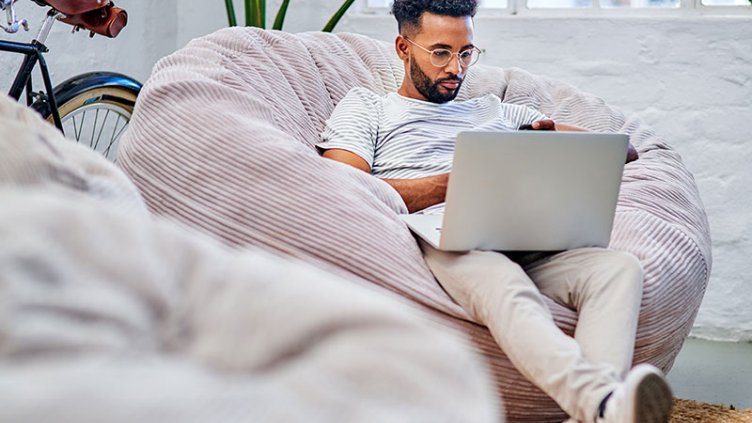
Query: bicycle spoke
104, 122
83, 123
76, 130
112, 138
122, 130
94, 128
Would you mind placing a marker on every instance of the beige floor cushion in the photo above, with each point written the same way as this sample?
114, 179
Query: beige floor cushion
108, 314
222, 139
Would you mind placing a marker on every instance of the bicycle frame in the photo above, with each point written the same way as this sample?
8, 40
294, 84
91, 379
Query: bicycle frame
33, 53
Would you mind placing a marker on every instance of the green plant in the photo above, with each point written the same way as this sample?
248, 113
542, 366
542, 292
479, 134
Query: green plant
255, 14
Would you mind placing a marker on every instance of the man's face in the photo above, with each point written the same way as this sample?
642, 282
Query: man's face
424, 81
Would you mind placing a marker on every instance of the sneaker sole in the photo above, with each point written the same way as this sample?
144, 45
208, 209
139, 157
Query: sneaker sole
654, 400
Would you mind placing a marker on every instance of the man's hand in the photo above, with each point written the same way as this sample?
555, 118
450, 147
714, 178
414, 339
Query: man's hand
632, 153
550, 125
539, 125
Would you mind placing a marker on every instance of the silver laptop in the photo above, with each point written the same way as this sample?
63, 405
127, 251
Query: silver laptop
528, 191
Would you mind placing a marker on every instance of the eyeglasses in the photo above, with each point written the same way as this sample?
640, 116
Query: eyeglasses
441, 57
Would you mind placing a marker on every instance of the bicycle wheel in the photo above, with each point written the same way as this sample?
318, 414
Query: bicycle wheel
95, 109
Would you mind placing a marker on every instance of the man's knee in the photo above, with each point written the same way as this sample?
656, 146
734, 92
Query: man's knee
627, 264
622, 268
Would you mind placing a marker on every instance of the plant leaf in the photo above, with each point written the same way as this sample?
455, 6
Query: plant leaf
339, 14
262, 14
282, 12
231, 19
252, 13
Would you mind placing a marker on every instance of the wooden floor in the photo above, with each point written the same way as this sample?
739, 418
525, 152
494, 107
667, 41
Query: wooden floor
686, 411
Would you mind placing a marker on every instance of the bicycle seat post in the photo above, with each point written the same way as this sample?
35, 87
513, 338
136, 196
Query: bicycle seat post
44, 31
39, 44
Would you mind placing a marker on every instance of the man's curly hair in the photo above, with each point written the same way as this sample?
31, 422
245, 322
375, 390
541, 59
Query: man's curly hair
408, 12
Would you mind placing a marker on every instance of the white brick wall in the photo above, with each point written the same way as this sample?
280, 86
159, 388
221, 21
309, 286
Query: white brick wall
689, 76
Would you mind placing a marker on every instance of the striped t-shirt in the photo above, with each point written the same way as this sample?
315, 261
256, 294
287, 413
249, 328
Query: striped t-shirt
405, 138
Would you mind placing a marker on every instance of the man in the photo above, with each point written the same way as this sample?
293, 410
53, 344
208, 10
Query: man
407, 138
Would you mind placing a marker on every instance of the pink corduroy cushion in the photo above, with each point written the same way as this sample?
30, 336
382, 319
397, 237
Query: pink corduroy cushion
222, 139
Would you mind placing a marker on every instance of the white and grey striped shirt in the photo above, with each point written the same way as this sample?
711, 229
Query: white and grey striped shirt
405, 138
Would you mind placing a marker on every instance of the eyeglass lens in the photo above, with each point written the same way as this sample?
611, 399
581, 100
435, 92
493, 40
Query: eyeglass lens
441, 57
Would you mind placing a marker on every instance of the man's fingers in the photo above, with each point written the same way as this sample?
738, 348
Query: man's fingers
632, 153
544, 125
539, 125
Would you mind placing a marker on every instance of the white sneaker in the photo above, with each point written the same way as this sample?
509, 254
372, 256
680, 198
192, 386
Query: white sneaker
644, 397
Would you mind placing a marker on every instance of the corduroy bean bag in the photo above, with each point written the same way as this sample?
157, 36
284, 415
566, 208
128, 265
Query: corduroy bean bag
108, 314
223, 139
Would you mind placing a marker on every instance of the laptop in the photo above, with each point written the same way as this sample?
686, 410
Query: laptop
528, 191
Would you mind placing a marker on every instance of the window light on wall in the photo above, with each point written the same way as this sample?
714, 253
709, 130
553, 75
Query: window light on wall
589, 4
492, 4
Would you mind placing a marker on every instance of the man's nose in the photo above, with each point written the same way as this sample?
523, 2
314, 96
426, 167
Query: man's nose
454, 66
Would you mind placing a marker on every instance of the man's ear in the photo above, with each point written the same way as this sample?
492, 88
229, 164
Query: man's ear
402, 47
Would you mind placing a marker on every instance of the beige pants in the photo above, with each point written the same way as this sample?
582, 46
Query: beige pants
603, 286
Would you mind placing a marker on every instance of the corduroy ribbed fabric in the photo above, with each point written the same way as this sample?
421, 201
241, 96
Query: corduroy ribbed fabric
109, 314
222, 139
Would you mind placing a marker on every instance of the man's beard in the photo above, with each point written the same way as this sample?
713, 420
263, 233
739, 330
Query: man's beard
429, 89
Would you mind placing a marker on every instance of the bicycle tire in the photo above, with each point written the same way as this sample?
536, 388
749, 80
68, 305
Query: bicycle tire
87, 103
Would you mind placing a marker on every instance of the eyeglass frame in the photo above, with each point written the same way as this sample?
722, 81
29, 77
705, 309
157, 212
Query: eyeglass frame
451, 54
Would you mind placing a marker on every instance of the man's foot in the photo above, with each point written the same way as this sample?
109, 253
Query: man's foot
644, 397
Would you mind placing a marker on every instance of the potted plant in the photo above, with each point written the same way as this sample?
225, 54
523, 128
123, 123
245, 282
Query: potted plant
255, 14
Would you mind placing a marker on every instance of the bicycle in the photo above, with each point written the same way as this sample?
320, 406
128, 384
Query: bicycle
89, 105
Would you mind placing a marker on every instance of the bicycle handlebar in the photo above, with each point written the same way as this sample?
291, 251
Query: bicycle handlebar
14, 24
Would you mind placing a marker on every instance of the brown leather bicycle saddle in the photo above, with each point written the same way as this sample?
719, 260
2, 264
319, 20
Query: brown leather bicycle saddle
98, 16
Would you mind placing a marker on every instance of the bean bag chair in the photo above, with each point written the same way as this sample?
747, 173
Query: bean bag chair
108, 314
223, 140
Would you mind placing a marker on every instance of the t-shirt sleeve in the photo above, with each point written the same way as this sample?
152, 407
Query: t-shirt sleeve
521, 115
353, 126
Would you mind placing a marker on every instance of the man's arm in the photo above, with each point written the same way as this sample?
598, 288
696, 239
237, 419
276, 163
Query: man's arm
421, 192
550, 125
416, 193
347, 157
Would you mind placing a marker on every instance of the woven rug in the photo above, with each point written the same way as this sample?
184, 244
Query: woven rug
686, 411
